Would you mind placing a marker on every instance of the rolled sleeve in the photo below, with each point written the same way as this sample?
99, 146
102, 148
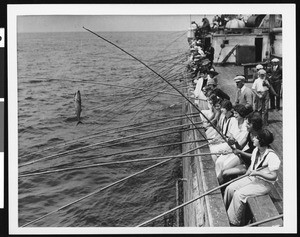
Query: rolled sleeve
273, 162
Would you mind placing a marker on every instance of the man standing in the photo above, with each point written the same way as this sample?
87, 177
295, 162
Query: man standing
210, 51
244, 95
260, 88
275, 79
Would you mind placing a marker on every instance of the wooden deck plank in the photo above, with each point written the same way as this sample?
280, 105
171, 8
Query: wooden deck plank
263, 208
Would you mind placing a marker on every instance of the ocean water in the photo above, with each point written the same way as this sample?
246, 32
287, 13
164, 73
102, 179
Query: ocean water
51, 68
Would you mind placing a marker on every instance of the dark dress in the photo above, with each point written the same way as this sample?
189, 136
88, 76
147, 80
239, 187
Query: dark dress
245, 159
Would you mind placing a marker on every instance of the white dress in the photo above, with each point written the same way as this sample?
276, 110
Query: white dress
223, 160
202, 100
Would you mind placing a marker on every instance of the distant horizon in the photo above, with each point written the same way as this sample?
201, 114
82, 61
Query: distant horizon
102, 31
107, 23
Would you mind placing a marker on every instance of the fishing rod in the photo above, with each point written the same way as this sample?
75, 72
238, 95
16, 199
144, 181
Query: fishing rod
123, 128
220, 133
164, 134
96, 144
101, 189
196, 198
191, 120
121, 162
266, 220
145, 101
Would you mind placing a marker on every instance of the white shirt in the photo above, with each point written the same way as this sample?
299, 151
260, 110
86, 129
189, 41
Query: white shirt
198, 92
269, 159
258, 85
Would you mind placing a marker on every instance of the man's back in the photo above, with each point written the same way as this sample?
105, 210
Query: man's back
245, 96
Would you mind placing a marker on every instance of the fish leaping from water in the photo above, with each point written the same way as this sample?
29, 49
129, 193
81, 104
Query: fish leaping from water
77, 102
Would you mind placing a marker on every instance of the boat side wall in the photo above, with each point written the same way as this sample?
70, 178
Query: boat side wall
200, 177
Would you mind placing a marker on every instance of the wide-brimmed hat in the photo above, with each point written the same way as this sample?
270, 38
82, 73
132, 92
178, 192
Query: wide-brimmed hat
239, 78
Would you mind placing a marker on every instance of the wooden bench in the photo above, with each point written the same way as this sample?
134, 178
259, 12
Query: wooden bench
247, 66
262, 208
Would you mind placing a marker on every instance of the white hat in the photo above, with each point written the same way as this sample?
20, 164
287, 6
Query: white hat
239, 78
261, 71
275, 60
259, 66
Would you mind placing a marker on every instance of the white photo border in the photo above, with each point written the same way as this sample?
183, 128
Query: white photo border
288, 12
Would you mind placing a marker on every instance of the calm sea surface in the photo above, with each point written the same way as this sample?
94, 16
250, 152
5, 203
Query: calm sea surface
51, 68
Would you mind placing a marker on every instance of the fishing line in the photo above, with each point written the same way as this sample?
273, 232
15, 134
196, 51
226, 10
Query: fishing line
107, 84
101, 189
222, 135
148, 101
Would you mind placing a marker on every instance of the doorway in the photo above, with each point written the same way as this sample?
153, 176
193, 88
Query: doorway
258, 49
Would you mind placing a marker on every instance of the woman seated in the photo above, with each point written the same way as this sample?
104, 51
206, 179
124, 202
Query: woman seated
261, 175
242, 158
228, 161
211, 112
227, 126
200, 94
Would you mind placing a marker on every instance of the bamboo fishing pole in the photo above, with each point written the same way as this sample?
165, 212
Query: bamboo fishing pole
96, 144
220, 133
164, 134
266, 220
119, 129
196, 198
104, 188
191, 120
121, 162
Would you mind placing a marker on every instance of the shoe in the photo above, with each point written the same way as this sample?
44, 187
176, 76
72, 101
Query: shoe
278, 109
233, 225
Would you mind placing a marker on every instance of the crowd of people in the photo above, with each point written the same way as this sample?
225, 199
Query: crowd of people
237, 131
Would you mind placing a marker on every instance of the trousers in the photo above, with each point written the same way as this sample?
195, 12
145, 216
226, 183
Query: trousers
275, 100
236, 194
262, 105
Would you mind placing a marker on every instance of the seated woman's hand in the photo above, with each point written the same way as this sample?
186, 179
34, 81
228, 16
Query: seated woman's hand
231, 141
236, 151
